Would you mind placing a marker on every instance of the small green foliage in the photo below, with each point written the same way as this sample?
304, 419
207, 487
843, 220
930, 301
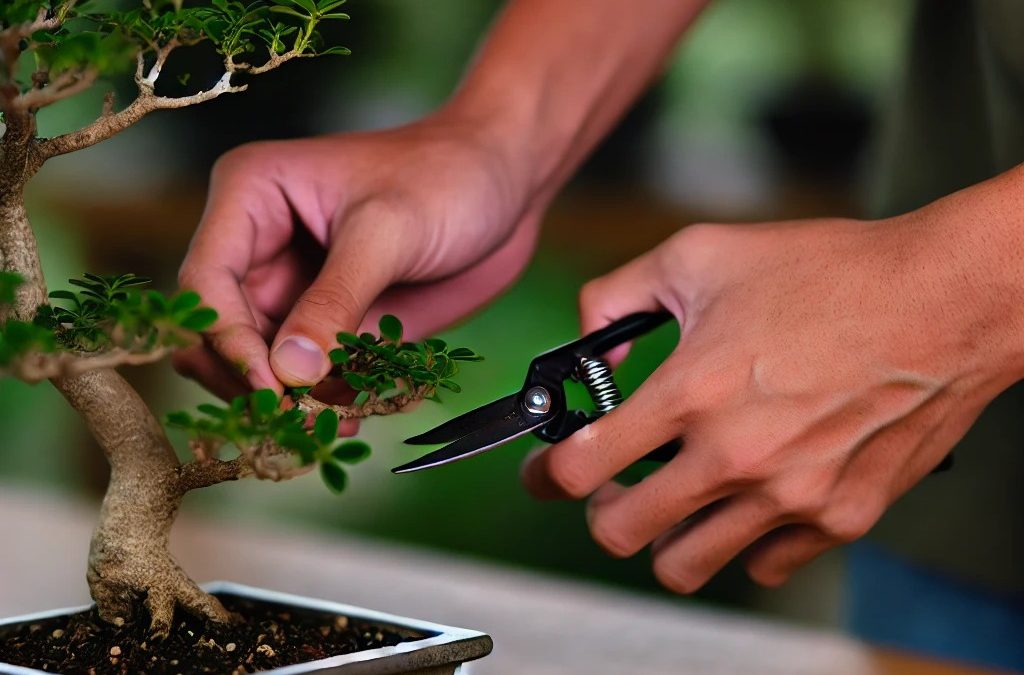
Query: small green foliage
384, 367
9, 283
334, 476
377, 367
97, 35
19, 337
113, 311
351, 452
258, 419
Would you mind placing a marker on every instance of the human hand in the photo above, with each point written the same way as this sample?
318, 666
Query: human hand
302, 239
824, 367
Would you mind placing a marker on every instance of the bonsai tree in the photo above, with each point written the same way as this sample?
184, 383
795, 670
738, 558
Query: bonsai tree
51, 50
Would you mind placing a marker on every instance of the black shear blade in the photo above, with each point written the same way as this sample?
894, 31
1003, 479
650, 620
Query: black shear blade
467, 423
511, 426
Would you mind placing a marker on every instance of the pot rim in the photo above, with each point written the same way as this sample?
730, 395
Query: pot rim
450, 644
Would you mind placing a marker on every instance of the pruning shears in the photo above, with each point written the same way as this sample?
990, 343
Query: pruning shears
540, 405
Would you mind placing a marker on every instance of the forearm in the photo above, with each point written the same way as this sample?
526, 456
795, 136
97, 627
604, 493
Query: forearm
554, 76
975, 241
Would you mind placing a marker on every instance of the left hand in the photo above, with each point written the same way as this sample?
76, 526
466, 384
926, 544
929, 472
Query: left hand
824, 368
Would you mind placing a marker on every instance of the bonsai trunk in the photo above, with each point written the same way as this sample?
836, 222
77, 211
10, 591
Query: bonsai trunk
129, 558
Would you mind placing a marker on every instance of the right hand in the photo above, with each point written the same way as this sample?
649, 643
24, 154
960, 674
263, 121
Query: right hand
302, 239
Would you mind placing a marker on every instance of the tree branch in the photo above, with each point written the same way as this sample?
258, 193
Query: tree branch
147, 101
266, 461
66, 85
199, 474
373, 406
38, 366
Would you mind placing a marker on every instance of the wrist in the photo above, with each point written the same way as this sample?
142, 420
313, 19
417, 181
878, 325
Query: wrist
976, 237
507, 129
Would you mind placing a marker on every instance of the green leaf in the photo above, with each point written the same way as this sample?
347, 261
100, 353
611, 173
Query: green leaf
300, 442
325, 429
334, 476
200, 319
463, 354
184, 301
354, 380
451, 386
361, 398
436, 345
64, 295
212, 410
263, 403
339, 356
296, 392
390, 328
351, 452
350, 339
179, 418
289, 11
9, 283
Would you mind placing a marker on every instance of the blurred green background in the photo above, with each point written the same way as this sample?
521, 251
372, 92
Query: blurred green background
713, 140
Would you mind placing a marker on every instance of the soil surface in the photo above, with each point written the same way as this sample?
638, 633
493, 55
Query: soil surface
267, 636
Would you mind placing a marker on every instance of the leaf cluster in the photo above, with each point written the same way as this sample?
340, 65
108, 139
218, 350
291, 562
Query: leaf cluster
253, 421
92, 36
19, 337
384, 366
114, 311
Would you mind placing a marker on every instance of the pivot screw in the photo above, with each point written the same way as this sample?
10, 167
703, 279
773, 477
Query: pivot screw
538, 400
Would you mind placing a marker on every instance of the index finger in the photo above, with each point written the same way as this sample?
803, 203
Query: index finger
594, 455
219, 257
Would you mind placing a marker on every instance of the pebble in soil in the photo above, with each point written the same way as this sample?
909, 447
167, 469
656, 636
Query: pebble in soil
267, 636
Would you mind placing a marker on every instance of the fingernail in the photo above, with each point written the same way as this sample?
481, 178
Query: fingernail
299, 361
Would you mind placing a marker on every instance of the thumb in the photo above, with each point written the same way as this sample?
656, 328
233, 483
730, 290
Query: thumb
637, 286
359, 267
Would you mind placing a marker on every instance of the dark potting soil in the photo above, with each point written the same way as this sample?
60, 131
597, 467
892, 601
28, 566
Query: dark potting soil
268, 636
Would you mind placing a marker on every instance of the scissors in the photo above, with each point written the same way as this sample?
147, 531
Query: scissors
540, 405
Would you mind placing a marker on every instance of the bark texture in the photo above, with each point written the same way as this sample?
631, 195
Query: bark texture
129, 556
18, 254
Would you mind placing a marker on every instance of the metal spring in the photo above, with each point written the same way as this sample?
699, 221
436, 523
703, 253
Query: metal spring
596, 376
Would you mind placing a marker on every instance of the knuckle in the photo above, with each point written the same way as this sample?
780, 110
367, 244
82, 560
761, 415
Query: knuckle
569, 475
696, 237
385, 211
239, 158
591, 293
740, 466
793, 499
611, 538
327, 301
846, 523
766, 575
675, 579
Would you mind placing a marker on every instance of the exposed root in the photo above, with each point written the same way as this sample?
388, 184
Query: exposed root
161, 586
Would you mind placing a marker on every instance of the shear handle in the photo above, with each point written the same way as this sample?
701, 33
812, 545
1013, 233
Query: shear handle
614, 334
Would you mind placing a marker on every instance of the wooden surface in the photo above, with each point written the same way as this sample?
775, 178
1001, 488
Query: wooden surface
540, 624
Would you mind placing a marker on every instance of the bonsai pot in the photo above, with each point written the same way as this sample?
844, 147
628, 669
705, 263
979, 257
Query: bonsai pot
402, 645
